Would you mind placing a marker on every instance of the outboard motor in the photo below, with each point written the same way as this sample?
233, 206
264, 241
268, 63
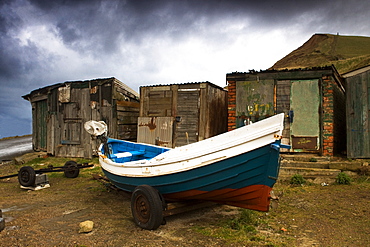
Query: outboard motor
99, 129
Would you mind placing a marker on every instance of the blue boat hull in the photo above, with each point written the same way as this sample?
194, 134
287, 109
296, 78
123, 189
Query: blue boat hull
245, 180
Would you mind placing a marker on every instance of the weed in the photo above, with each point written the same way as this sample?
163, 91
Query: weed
313, 160
297, 179
343, 178
245, 222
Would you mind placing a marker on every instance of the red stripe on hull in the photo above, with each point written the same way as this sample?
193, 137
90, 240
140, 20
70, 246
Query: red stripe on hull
255, 197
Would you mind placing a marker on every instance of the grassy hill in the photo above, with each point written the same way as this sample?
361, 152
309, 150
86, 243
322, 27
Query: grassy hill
347, 53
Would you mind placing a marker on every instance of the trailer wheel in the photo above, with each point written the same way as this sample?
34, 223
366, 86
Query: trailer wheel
147, 207
26, 176
71, 169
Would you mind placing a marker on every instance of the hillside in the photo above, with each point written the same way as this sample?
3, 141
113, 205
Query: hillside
347, 53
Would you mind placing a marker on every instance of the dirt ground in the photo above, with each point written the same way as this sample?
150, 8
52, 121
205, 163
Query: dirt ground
312, 215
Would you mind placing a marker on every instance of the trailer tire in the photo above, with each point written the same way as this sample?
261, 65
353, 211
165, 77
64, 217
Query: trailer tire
71, 169
26, 176
147, 207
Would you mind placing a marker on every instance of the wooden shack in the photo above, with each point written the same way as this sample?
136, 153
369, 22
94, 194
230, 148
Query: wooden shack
358, 112
59, 112
179, 114
313, 101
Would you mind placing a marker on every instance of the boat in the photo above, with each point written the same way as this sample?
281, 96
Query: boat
237, 168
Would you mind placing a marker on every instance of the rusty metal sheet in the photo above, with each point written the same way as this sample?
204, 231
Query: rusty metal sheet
64, 94
155, 130
304, 142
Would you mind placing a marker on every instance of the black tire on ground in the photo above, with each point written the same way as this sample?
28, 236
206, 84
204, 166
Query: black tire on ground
147, 207
26, 176
71, 169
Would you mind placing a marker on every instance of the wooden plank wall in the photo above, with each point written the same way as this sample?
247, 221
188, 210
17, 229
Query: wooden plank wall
199, 110
127, 119
187, 129
213, 111
92, 102
283, 106
358, 111
156, 101
74, 140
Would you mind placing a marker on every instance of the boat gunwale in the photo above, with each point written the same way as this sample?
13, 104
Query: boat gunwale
229, 145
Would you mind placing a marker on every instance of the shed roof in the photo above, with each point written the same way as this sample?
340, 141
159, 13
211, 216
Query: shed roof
289, 74
45, 90
188, 83
356, 71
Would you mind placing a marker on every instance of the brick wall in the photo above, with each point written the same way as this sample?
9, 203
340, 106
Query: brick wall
327, 117
231, 109
333, 118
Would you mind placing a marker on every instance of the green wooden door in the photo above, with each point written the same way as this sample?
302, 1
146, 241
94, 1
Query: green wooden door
41, 125
305, 117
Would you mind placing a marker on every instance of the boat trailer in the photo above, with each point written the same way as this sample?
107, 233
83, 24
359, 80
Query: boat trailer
27, 176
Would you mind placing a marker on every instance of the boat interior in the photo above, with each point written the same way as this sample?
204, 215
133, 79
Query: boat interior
124, 151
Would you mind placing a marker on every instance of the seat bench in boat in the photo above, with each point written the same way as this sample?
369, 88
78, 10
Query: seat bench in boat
126, 156
128, 151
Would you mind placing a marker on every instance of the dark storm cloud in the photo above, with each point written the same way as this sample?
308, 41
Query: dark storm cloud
102, 25
129, 30
16, 58
8, 22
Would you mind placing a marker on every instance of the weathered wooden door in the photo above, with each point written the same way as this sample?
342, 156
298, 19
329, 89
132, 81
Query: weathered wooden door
72, 124
74, 140
40, 128
187, 118
304, 115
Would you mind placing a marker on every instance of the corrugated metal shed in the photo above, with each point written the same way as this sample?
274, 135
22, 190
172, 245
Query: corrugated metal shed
178, 114
59, 112
358, 113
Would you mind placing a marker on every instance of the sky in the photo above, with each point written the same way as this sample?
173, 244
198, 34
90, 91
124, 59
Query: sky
149, 42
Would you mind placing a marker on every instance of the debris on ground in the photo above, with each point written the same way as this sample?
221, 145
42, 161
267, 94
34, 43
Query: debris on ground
86, 226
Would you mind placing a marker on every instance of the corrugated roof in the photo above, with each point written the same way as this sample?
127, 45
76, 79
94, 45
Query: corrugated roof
187, 83
45, 89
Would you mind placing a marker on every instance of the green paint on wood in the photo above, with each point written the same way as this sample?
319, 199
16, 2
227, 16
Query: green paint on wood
254, 100
305, 102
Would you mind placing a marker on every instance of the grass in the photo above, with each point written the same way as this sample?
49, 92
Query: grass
244, 228
45, 162
252, 228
